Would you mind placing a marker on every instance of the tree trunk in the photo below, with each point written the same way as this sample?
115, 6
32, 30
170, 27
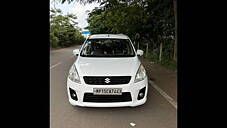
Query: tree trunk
147, 51
160, 53
138, 46
175, 44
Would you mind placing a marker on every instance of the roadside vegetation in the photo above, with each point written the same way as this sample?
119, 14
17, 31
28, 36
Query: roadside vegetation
63, 30
151, 25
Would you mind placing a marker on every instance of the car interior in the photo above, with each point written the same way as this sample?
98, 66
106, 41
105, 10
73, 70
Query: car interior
99, 47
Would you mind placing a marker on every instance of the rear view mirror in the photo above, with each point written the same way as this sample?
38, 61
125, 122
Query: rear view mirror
139, 52
76, 52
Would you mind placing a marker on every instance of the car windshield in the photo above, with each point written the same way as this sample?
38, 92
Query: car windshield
107, 48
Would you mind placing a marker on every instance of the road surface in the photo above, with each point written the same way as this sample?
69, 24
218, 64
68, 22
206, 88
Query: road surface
157, 112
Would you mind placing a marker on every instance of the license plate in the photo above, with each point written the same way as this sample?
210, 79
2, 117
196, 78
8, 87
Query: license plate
107, 91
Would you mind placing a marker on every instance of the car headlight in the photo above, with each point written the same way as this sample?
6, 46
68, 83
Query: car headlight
141, 74
73, 74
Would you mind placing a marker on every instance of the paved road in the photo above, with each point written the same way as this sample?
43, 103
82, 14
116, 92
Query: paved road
157, 112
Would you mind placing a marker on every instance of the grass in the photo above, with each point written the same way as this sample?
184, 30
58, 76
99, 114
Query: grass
166, 62
172, 65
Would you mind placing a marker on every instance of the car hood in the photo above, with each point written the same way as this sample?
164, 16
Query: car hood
125, 66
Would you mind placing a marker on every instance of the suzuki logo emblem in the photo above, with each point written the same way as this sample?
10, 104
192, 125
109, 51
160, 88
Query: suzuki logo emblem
107, 80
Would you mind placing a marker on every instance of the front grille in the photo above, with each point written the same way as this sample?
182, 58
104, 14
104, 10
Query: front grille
106, 80
90, 97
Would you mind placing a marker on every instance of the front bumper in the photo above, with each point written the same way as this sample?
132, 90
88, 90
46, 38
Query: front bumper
132, 87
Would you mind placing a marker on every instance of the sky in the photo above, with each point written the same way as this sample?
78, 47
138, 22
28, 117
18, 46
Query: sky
76, 8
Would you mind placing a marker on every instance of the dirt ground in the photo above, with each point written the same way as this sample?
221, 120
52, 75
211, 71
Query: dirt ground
52, 49
165, 78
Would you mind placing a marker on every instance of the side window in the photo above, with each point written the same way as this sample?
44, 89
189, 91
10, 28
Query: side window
131, 46
87, 48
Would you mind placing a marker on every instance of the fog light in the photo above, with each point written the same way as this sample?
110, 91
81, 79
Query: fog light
73, 94
141, 93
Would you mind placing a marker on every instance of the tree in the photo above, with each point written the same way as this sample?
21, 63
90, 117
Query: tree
119, 18
63, 29
154, 20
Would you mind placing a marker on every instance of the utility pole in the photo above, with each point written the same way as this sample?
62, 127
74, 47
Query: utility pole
147, 50
160, 52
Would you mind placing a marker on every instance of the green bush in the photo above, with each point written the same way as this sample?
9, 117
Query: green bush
54, 41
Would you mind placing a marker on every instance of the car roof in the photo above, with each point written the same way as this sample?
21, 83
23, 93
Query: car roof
104, 36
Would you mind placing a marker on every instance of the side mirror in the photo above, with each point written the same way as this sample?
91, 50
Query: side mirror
134, 43
76, 52
139, 52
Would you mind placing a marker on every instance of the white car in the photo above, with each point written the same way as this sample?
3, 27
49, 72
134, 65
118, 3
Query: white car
107, 73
